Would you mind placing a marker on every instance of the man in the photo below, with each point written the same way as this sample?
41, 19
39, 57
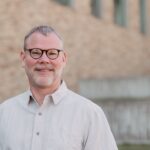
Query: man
49, 116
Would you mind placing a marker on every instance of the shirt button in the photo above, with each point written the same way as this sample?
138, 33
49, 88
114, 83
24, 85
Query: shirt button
40, 114
37, 133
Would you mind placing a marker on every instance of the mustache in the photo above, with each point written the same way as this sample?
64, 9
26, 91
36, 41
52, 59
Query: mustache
44, 67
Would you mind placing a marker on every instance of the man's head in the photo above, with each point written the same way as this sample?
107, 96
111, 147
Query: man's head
43, 57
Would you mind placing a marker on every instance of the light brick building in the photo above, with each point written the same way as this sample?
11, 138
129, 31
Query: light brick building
105, 40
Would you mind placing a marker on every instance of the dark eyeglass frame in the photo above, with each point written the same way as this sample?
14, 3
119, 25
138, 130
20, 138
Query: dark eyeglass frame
42, 51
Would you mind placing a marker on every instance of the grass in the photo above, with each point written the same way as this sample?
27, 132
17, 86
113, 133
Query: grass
133, 147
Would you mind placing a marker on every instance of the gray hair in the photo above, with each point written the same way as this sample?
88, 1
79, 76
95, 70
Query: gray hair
43, 29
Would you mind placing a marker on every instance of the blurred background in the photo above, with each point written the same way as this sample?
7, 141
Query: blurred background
108, 46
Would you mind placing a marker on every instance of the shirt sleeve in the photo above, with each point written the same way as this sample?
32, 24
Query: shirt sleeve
99, 135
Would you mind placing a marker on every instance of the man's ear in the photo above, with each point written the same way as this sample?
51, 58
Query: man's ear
64, 58
22, 57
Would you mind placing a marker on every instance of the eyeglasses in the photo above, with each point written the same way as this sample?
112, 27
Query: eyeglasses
37, 53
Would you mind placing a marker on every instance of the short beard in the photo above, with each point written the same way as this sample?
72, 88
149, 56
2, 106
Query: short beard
44, 83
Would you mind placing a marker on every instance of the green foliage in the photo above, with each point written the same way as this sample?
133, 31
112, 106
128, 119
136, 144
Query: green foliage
133, 147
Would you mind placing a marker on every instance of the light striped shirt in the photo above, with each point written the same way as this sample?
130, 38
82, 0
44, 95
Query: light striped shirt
65, 121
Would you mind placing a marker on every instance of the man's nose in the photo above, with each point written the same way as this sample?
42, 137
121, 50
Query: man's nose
44, 58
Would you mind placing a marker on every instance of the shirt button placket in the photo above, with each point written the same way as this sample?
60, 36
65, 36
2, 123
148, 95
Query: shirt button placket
36, 142
38, 133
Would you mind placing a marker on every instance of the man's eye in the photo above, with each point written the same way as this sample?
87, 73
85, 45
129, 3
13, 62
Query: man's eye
52, 54
36, 53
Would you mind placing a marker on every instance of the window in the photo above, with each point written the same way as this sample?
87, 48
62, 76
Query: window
66, 2
143, 17
120, 12
96, 7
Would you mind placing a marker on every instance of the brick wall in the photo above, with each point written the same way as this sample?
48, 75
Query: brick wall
97, 48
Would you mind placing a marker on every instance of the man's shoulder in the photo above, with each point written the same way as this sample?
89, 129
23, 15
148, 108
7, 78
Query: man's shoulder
13, 100
83, 101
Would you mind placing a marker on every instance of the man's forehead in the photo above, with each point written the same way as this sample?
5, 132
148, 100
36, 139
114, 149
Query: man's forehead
50, 38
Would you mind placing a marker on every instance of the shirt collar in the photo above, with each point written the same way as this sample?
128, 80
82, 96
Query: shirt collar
56, 96
60, 93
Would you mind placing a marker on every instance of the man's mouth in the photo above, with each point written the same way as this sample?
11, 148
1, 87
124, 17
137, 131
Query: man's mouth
43, 69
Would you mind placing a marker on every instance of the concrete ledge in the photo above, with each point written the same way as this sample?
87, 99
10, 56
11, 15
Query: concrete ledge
115, 88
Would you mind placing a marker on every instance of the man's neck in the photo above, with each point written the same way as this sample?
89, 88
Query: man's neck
39, 93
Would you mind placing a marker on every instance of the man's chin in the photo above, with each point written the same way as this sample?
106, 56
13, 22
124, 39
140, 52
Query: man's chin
44, 83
